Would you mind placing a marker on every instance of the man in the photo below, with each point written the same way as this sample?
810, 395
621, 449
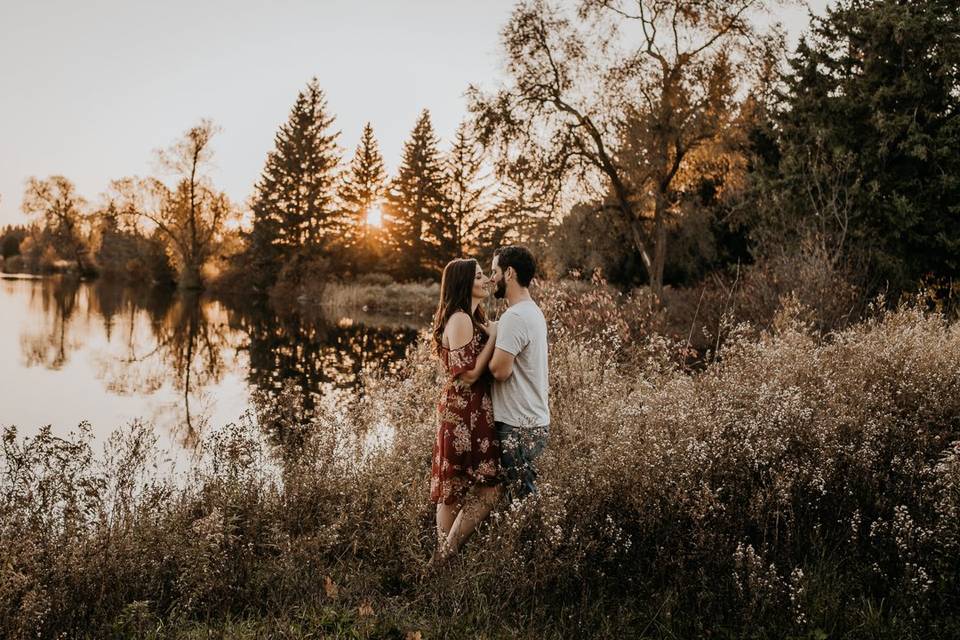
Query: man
519, 365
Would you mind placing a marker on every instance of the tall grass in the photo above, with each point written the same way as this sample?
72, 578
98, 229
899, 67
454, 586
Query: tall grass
798, 485
372, 296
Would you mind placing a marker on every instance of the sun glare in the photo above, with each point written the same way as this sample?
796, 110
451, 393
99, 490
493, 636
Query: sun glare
375, 216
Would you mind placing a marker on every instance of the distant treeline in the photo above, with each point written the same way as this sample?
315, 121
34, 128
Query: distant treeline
657, 146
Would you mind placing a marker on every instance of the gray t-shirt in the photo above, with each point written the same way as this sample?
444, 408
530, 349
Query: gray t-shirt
522, 399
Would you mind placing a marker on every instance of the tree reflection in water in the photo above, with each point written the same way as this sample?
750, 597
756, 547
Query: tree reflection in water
50, 340
320, 357
142, 340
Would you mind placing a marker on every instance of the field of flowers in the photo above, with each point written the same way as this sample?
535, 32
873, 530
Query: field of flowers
781, 481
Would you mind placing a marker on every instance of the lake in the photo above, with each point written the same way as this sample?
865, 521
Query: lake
108, 354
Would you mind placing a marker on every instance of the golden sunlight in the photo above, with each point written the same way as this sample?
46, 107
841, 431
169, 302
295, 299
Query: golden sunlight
375, 216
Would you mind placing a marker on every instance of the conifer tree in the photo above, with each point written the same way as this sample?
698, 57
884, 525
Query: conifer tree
523, 211
869, 136
294, 209
420, 229
467, 192
362, 188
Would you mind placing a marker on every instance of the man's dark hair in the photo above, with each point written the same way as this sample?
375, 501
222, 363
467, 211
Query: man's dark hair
520, 259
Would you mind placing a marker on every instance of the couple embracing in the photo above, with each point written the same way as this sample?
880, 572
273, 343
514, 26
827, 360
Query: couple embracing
493, 411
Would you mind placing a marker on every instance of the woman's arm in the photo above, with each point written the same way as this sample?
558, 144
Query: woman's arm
460, 332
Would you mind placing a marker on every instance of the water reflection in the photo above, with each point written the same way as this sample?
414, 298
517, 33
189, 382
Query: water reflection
319, 356
50, 344
186, 355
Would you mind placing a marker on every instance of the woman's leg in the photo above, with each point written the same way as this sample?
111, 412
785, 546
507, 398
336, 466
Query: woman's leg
446, 515
471, 515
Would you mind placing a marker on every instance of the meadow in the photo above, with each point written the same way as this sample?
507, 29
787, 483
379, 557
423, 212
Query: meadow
782, 479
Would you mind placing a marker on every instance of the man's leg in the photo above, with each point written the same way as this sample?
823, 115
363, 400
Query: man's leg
520, 447
509, 449
532, 440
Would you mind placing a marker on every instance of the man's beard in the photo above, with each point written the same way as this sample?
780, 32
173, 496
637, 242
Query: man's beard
501, 291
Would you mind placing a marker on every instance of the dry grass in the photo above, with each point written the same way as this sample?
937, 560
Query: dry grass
412, 298
799, 485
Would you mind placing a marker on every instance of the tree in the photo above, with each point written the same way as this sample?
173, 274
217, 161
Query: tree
57, 204
467, 192
190, 216
294, 207
868, 137
10, 239
523, 209
124, 251
420, 228
361, 189
621, 117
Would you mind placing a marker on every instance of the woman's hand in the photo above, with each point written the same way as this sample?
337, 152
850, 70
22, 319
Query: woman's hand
491, 329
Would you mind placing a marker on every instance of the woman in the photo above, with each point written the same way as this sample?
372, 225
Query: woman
466, 453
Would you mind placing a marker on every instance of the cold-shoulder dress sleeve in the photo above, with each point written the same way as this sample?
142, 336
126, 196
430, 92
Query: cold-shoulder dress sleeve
463, 358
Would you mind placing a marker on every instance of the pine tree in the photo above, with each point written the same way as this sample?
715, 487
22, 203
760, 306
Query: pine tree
523, 213
472, 218
420, 228
294, 208
362, 188
869, 136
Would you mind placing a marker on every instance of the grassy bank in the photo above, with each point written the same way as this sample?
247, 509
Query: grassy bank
381, 298
794, 486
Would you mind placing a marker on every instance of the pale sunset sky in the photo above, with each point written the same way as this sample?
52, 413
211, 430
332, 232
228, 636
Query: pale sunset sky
89, 90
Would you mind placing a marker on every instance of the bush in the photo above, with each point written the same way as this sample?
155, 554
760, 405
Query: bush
14, 264
796, 486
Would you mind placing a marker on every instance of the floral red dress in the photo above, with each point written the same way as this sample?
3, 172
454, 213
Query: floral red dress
466, 451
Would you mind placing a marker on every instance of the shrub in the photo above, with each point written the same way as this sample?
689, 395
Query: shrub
796, 486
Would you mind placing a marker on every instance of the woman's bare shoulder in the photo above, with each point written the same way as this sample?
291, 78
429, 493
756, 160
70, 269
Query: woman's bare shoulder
460, 319
459, 330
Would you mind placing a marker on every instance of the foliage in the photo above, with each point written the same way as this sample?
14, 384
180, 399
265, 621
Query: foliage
10, 239
419, 228
468, 188
868, 130
190, 217
362, 187
62, 211
703, 242
294, 207
129, 255
796, 486
627, 100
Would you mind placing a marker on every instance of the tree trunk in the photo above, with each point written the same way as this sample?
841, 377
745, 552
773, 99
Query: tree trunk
659, 247
189, 278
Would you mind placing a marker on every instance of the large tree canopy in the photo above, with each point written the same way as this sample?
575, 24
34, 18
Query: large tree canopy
621, 99
869, 132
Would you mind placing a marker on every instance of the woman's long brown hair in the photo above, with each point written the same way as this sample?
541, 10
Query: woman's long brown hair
456, 294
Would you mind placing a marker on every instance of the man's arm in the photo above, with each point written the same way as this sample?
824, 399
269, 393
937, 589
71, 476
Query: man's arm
501, 364
511, 339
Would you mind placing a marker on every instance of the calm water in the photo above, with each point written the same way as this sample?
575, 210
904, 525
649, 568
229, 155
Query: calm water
109, 354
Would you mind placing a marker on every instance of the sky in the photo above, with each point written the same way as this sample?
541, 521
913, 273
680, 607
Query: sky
90, 90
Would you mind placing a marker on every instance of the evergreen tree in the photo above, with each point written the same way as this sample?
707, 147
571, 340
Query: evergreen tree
523, 210
467, 192
869, 135
420, 228
294, 209
361, 189
10, 239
